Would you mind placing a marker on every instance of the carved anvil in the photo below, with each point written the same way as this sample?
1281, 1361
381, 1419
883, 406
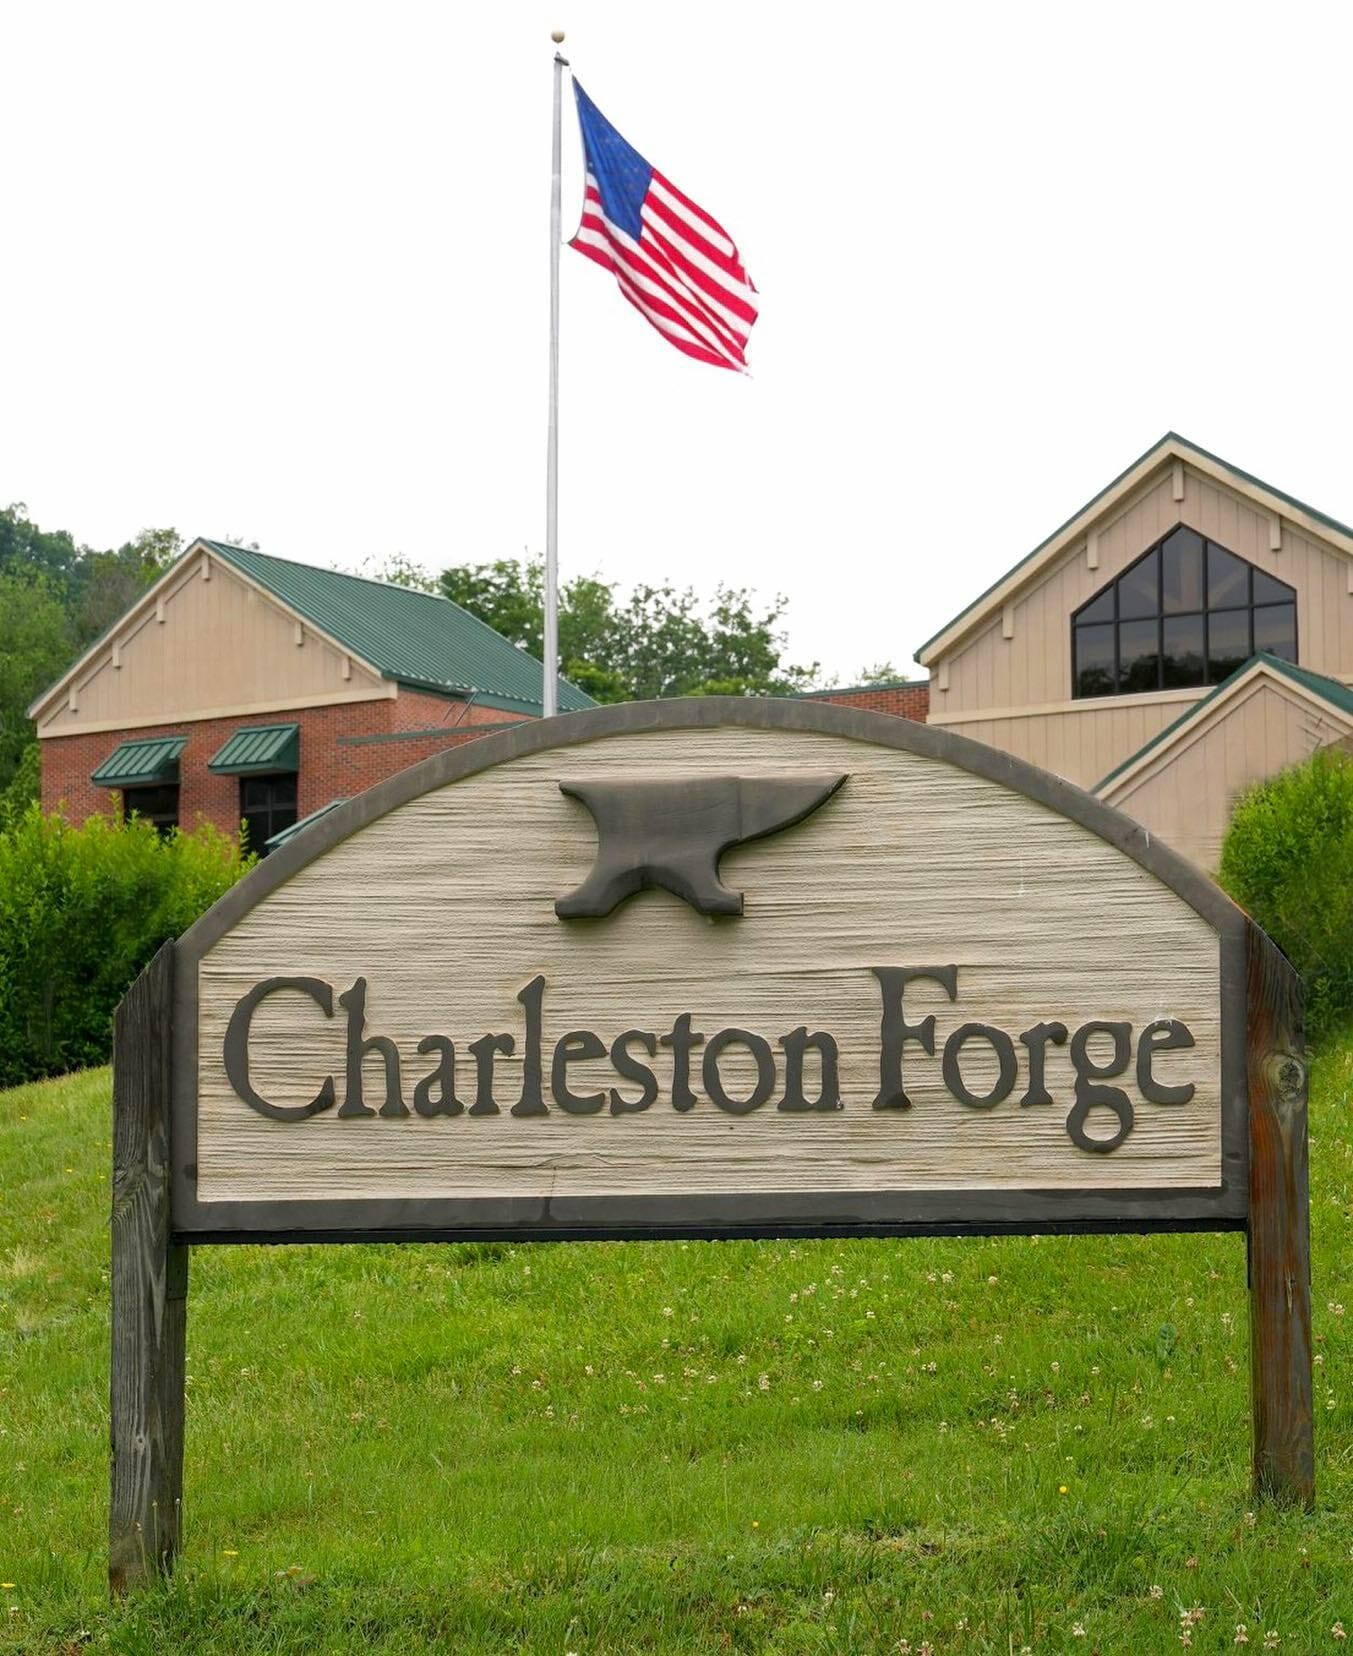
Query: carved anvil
671, 832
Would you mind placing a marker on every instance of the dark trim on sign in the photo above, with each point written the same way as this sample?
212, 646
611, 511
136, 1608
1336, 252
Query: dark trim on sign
893, 1213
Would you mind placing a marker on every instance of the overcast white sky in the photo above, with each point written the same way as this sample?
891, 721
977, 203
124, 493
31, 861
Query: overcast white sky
279, 271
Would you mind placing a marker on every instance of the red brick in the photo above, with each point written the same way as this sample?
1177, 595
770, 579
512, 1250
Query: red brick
907, 701
332, 765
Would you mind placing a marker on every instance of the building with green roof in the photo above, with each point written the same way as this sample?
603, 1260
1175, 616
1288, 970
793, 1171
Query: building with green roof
244, 687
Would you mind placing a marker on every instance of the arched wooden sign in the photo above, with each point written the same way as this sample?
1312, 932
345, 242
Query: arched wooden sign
705, 968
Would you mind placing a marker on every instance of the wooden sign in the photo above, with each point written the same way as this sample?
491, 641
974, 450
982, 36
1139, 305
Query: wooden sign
705, 969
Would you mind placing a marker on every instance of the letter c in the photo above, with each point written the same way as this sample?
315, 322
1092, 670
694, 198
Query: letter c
236, 1049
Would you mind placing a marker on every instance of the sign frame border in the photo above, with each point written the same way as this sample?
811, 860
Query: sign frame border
985, 1211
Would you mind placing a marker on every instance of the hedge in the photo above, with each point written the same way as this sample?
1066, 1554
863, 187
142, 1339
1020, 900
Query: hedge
1288, 859
81, 912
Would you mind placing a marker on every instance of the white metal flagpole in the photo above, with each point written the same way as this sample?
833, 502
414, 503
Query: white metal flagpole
550, 692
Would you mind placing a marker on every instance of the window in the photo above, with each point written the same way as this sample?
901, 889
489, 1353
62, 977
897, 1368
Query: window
1188, 612
267, 805
159, 805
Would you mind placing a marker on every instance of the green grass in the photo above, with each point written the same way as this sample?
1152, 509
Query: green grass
807, 1447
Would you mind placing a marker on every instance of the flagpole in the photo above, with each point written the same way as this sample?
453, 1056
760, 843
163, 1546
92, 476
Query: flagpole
550, 692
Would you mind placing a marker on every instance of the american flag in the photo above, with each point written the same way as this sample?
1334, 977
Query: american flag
675, 264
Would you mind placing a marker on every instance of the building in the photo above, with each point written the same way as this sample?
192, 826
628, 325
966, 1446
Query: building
1186, 633
243, 687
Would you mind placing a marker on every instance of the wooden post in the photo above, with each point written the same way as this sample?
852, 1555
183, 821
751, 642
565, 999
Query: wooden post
150, 1285
1279, 1229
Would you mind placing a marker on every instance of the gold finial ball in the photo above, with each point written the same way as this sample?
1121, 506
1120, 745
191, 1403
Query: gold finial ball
557, 36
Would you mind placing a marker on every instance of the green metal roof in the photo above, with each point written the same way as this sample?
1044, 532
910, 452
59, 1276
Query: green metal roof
284, 834
139, 763
1330, 690
1169, 437
255, 748
418, 639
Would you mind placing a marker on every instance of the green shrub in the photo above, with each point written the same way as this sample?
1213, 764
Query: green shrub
23, 787
1288, 860
81, 912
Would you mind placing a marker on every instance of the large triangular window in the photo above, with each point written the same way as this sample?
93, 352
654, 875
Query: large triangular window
1187, 613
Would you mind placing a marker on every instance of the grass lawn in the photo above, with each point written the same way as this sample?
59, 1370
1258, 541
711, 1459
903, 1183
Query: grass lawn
956, 1446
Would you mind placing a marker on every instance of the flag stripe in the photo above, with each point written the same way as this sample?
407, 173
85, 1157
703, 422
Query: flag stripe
662, 315
681, 228
737, 324
681, 344
644, 256
641, 270
602, 245
699, 217
739, 301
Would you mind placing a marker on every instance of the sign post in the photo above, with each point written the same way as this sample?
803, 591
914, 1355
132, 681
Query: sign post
708, 968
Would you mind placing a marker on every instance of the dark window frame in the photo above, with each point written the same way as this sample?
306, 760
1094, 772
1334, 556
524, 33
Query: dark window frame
1204, 611
138, 802
273, 810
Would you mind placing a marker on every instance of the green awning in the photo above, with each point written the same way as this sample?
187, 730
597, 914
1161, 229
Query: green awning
256, 748
138, 764
284, 834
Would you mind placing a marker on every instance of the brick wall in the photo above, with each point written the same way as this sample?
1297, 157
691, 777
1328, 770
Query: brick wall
907, 701
344, 748
420, 725
337, 758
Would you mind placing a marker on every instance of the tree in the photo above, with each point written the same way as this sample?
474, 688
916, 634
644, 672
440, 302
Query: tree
107, 583
508, 595
50, 553
882, 672
661, 642
36, 642
56, 598
397, 570
24, 788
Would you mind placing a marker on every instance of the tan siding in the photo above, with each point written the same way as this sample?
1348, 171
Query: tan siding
221, 645
1081, 743
1032, 669
1188, 796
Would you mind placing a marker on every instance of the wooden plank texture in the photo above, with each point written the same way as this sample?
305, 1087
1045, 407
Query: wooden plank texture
445, 907
1279, 1230
149, 1289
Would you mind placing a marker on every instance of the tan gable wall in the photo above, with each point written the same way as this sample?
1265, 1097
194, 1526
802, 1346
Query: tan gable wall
222, 648
1187, 796
1015, 691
